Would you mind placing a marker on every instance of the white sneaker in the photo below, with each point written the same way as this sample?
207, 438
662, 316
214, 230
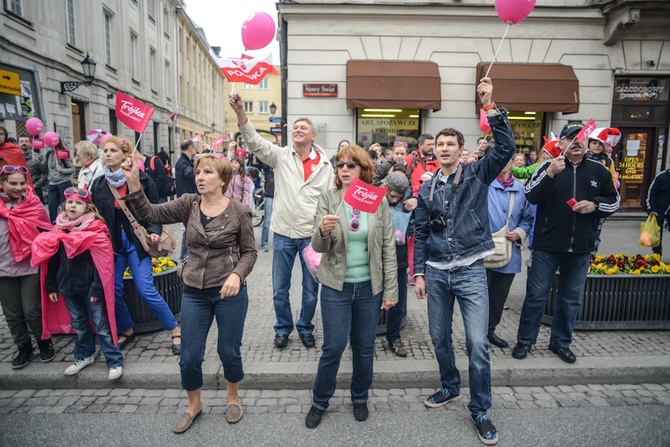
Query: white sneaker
115, 373
78, 365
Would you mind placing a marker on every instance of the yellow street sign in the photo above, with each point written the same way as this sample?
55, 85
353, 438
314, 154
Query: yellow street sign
9, 83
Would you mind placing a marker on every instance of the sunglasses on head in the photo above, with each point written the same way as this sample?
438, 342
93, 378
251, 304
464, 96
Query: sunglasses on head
80, 192
10, 169
354, 223
348, 164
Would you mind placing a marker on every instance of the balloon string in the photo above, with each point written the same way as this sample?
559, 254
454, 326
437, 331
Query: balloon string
499, 46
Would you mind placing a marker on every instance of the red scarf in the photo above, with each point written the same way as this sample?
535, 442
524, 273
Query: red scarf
24, 220
506, 183
95, 238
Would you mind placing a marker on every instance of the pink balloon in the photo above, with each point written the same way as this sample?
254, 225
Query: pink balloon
51, 139
514, 11
34, 126
258, 31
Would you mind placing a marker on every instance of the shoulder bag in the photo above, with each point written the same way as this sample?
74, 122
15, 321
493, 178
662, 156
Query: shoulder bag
167, 242
502, 248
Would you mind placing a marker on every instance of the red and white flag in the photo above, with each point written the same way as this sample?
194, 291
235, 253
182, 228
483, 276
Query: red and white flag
247, 69
62, 154
586, 131
363, 196
196, 139
218, 142
38, 143
132, 112
173, 116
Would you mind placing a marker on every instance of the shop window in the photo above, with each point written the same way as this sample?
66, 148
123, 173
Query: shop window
527, 129
384, 126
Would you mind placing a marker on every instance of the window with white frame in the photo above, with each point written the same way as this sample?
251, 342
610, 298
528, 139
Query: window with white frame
108, 38
263, 84
248, 107
263, 107
248, 86
166, 79
151, 9
69, 23
166, 22
133, 56
14, 6
153, 69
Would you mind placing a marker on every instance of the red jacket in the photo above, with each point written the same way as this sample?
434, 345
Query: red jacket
416, 166
11, 154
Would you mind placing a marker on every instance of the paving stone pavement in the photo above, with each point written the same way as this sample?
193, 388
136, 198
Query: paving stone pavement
395, 400
257, 347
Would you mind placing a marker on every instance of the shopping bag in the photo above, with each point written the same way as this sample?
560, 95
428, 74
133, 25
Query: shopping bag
312, 260
400, 223
650, 232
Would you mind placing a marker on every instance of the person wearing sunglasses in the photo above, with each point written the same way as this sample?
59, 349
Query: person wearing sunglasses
21, 215
358, 274
11, 154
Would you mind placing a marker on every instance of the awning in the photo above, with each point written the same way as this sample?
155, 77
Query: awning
393, 84
532, 87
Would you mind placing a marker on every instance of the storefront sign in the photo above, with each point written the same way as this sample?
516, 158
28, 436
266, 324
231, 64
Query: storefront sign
275, 130
319, 90
640, 89
9, 83
631, 168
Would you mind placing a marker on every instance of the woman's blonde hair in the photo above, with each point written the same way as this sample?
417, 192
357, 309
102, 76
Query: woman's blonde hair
86, 147
220, 164
125, 145
358, 155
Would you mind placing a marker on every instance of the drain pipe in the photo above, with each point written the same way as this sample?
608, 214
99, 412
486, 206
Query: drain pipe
283, 43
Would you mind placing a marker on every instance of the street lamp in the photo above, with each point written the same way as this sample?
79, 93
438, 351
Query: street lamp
88, 66
273, 109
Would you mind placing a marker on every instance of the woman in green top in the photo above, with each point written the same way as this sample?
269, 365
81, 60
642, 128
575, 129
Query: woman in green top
358, 273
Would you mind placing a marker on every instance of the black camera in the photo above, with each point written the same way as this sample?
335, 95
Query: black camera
437, 224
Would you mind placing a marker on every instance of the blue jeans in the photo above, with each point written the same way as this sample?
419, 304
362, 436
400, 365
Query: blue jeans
574, 267
144, 282
284, 251
197, 313
81, 307
468, 286
265, 233
394, 314
352, 313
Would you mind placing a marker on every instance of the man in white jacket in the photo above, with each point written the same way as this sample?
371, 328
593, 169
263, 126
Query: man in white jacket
302, 173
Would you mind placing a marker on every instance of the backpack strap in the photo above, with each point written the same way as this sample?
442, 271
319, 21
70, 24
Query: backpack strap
152, 162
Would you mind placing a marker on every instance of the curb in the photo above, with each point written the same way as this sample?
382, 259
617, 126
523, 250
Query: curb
396, 374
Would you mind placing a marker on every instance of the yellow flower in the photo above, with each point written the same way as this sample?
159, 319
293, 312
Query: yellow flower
655, 269
636, 272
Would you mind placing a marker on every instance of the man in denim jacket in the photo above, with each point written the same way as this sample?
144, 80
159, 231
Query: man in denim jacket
452, 239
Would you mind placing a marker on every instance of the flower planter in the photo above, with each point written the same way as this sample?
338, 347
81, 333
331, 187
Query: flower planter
169, 285
613, 302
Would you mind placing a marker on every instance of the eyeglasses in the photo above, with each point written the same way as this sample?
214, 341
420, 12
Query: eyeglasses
348, 164
9, 169
80, 192
354, 223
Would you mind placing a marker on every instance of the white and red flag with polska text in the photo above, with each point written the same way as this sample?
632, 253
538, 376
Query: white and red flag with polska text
363, 196
196, 139
247, 69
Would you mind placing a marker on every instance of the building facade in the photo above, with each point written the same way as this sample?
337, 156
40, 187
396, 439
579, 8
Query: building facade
396, 69
135, 45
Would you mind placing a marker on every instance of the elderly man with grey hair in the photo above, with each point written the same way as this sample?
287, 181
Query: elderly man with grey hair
88, 158
302, 173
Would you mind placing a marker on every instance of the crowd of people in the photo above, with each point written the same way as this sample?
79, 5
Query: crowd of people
453, 223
